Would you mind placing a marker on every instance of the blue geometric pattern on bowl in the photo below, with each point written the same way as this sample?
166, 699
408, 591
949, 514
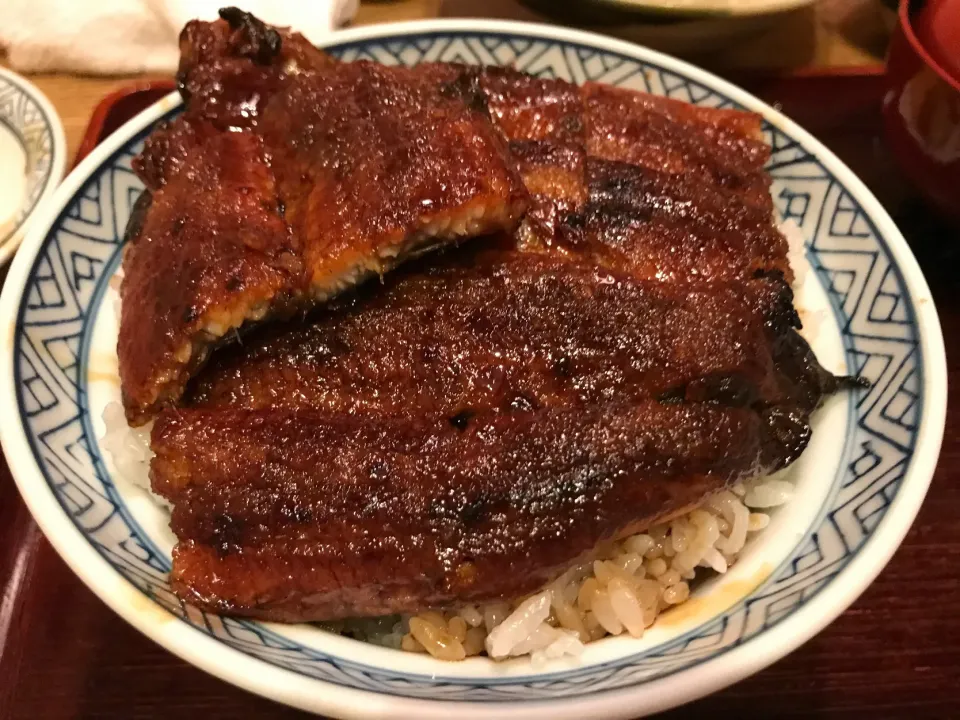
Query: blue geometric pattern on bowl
852, 263
26, 120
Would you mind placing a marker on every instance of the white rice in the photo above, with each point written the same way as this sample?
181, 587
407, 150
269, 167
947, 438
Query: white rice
796, 256
128, 448
620, 592
796, 250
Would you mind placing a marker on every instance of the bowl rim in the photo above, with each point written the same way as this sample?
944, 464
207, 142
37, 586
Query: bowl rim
58, 159
284, 686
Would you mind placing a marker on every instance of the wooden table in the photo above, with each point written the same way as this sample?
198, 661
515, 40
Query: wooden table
895, 653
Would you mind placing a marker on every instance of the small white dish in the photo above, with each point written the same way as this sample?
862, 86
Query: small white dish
32, 157
860, 483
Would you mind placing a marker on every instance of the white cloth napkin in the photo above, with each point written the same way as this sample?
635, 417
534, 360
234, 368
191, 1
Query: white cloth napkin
114, 37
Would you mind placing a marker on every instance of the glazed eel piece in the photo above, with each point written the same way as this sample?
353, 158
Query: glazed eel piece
288, 178
663, 191
576, 316
530, 434
503, 330
301, 515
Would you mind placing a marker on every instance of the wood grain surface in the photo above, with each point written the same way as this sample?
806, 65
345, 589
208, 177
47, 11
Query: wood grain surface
895, 653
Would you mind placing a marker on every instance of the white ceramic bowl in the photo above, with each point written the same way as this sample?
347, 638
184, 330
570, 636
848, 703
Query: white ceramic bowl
32, 157
859, 484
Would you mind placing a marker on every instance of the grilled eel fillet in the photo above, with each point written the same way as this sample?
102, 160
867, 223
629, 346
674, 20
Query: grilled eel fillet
462, 330
502, 330
288, 178
671, 190
296, 516
544, 409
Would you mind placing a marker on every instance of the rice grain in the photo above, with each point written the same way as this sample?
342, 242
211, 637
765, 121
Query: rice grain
437, 641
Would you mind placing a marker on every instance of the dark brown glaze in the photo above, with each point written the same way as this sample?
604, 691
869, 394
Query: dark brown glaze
209, 251
528, 108
374, 162
167, 148
554, 175
724, 129
307, 516
646, 177
672, 227
288, 178
802, 384
630, 349
721, 147
208, 247
543, 120
230, 67
499, 330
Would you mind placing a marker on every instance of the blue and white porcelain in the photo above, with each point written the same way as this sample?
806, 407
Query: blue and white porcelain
32, 157
859, 485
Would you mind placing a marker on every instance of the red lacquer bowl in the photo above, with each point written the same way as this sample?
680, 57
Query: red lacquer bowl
921, 109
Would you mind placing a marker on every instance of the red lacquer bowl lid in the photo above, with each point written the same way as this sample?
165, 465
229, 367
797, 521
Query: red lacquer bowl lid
937, 27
